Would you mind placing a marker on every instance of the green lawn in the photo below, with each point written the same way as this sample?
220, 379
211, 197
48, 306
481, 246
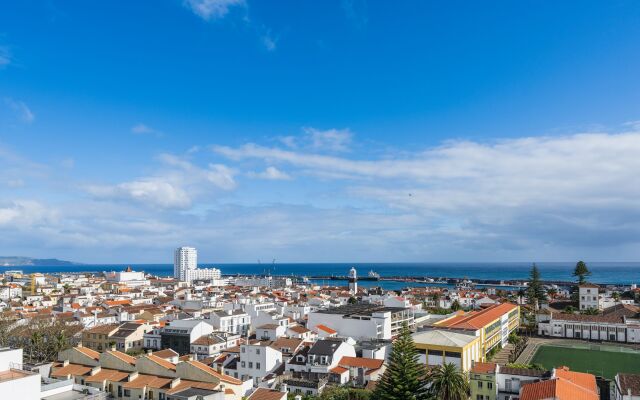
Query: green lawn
597, 362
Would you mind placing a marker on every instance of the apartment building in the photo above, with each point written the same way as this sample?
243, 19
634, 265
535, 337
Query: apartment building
231, 321
362, 321
128, 336
257, 361
147, 377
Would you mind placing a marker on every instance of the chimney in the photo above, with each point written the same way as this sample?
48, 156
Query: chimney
79, 344
65, 363
95, 370
132, 376
113, 348
284, 388
174, 383
149, 352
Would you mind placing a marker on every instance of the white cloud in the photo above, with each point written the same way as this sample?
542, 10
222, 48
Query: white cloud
5, 56
330, 139
20, 108
23, 213
270, 173
151, 191
573, 190
174, 187
142, 129
212, 9
269, 42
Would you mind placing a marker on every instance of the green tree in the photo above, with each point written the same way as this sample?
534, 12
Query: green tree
455, 306
404, 376
581, 272
591, 311
535, 291
447, 382
352, 300
569, 310
551, 292
615, 296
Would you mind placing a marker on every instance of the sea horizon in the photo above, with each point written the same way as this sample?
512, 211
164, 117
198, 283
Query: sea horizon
601, 272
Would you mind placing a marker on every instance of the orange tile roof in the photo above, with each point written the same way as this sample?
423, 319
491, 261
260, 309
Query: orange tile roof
360, 362
184, 384
107, 374
483, 368
213, 372
479, 319
143, 380
161, 362
326, 329
338, 370
566, 385
123, 356
71, 369
267, 394
89, 353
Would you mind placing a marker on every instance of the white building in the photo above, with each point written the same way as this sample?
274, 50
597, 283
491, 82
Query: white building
128, 277
185, 258
263, 281
185, 267
15, 383
257, 361
620, 323
362, 321
231, 321
589, 296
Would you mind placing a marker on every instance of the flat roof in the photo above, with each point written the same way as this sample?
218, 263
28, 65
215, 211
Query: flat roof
360, 309
442, 337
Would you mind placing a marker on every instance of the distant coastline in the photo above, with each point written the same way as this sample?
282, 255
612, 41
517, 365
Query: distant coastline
17, 261
602, 272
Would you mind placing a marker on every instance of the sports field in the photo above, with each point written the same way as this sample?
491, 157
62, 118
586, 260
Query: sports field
601, 362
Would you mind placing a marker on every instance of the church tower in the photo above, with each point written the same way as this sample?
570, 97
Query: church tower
353, 281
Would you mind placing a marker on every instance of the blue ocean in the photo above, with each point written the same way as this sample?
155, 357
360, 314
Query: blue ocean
602, 272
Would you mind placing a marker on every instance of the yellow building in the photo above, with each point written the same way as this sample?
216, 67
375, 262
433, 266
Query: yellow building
439, 346
492, 325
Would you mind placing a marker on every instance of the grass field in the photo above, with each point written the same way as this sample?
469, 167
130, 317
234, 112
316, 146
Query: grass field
597, 362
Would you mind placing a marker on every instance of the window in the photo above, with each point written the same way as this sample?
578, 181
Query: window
250, 364
127, 393
257, 365
489, 385
244, 350
257, 351
479, 384
242, 364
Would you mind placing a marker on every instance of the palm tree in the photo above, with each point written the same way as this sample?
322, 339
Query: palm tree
616, 297
447, 382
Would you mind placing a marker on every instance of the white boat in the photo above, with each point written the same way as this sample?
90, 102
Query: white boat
373, 274
465, 284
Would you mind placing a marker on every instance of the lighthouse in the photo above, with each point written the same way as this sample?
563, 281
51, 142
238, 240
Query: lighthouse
353, 281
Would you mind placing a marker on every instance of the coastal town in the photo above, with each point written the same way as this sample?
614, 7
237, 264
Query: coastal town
200, 334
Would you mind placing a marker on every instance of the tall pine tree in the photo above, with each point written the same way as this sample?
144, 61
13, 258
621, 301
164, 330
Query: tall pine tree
535, 291
581, 272
404, 377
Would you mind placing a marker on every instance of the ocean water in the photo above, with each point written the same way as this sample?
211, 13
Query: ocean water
602, 272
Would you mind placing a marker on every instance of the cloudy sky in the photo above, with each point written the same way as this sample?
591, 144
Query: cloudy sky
320, 131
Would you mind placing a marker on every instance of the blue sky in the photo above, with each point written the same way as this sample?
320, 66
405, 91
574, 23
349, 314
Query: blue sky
320, 131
